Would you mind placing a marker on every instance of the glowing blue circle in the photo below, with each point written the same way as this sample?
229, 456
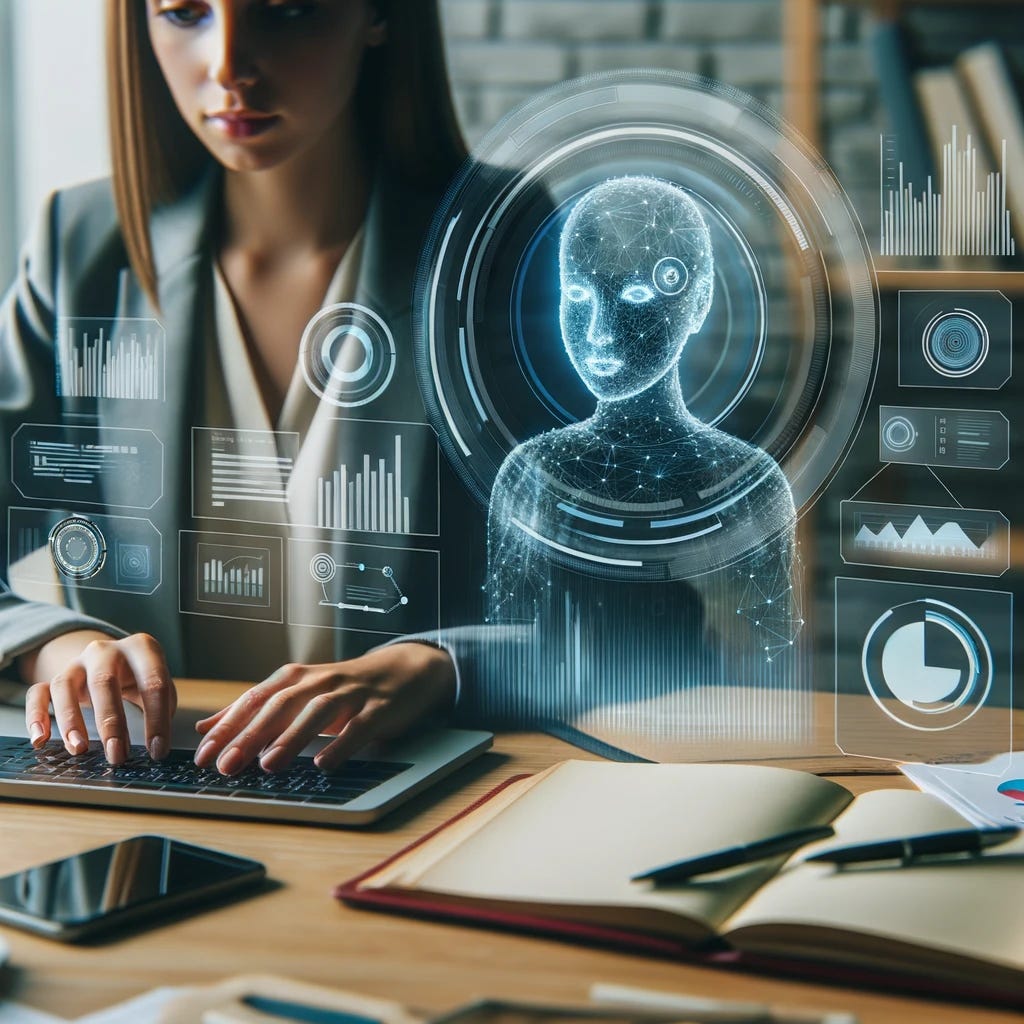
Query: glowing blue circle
956, 343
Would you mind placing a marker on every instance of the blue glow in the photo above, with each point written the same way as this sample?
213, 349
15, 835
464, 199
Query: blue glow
636, 269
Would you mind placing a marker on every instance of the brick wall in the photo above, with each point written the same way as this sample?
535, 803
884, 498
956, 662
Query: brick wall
503, 51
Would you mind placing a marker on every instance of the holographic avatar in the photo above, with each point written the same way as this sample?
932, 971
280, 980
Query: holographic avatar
637, 281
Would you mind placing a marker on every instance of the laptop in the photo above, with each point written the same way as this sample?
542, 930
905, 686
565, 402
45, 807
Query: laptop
361, 792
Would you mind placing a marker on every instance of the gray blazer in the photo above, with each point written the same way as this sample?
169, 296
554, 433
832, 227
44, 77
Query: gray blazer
75, 265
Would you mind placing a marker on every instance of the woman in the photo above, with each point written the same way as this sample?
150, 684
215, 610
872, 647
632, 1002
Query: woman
269, 156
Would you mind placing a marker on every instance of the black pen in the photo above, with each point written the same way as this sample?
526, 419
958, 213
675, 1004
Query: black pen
732, 856
967, 840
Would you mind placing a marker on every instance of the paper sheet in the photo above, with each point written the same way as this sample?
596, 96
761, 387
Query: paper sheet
142, 1008
987, 794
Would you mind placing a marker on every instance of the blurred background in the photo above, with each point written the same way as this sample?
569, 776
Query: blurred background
817, 61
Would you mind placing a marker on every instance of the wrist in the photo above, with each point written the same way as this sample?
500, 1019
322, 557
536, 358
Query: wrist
411, 659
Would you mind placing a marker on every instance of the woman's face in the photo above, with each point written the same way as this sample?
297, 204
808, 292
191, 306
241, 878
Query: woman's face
261, 81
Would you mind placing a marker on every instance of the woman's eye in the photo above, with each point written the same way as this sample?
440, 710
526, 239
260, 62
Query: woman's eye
184, 15
576, 293
637, 293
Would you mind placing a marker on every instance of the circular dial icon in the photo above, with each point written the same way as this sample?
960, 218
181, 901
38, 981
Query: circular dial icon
347, 355
78, 548
956, 343
927, 665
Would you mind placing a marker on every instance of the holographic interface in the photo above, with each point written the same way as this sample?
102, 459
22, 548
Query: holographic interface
648, 330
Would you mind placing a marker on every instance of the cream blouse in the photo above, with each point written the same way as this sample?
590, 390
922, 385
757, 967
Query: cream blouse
233, 400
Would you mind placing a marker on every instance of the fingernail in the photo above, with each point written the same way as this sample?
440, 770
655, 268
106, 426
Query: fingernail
79, 744
269, 761
114, 754
230, 761
158, 748
35, 733
203, 753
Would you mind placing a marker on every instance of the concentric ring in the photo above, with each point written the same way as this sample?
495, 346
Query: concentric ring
78, 548
323, 568
956, 343
347, 355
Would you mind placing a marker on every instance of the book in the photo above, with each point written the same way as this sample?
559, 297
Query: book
554, 853
986, 77
890, 49
946, 111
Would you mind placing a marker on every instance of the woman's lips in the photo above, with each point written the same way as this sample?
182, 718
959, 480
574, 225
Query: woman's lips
241, 124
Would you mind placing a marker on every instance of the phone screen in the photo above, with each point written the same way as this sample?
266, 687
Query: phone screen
123, 876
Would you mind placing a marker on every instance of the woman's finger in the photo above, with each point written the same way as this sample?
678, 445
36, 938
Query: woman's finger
361, 730
155, 692
238, 715
37, 714
326, 710
279, 712
108, 675
66, 690
204, 725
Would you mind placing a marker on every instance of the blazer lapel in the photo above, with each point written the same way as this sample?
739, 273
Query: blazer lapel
178, 232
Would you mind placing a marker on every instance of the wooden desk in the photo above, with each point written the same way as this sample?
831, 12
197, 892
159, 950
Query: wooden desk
300, 931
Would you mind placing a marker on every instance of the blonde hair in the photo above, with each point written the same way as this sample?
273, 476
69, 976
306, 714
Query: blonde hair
403, 107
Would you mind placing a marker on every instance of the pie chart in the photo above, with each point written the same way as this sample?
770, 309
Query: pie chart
1013, 788
927, 665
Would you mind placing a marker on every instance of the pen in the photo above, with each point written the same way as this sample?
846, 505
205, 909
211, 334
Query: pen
734, 855
708, 1011
968, 840
269, 1008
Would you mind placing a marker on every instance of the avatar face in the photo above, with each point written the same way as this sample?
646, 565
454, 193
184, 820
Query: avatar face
637, 274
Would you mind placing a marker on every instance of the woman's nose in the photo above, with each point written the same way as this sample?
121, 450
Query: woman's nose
231, 63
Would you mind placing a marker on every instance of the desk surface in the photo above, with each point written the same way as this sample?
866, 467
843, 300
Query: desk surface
299, 931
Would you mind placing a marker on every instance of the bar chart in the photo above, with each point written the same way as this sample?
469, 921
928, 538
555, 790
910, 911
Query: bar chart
238, 577
123, 359
375, 493
231, 576
966, 216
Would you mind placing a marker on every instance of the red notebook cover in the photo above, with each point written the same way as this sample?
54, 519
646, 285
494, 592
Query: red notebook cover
628, 941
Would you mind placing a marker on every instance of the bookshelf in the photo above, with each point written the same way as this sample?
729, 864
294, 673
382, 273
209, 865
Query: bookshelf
802, 62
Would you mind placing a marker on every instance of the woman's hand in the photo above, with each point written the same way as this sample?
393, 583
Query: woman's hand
85, 667
373, 697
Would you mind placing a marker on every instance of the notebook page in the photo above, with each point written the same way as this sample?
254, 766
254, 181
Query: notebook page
970, 909
577, 839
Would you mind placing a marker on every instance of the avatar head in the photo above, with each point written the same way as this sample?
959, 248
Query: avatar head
637, 277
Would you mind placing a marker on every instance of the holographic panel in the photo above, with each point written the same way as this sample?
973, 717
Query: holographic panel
955, 339
55, 548
936, 663
957, 438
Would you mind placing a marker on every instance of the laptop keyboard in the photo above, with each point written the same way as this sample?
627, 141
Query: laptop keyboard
302, 783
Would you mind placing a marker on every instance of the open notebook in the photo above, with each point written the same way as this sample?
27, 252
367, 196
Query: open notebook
555, 852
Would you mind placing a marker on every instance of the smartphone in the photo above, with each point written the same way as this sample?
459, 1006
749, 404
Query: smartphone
123, 883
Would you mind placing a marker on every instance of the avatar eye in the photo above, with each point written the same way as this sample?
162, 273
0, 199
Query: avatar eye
577, 293
637, 293
670, 275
